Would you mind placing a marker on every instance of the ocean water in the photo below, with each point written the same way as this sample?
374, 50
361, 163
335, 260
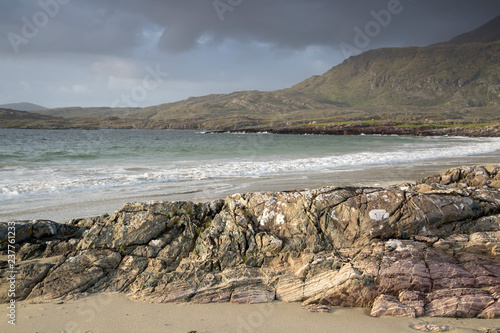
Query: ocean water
64, 174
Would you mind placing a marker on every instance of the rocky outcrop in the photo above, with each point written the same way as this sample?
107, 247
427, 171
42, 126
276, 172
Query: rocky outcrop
428, 247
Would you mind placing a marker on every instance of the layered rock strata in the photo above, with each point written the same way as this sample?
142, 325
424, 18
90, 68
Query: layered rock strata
430, 247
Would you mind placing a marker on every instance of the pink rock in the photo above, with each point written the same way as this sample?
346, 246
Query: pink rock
386, 305
432, 328
462, 303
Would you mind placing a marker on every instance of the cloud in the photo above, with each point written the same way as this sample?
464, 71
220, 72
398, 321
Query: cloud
117, 27
77, 89
92, 51
117, 67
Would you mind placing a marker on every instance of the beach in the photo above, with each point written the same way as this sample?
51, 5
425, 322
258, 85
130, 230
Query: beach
116, 313
78, 182
67, 174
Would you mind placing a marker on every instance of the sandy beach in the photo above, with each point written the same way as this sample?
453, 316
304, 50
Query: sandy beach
116, 313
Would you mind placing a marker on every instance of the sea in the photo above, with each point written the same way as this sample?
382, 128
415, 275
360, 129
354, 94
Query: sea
64, 174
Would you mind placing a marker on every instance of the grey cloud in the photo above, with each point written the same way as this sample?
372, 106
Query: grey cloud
89, 52
115, 26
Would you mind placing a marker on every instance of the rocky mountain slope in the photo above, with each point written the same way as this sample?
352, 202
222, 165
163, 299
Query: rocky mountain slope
452, 76
425, 248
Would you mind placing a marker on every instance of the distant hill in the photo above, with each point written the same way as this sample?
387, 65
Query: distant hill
458, 80
90, 112
24, 119
22, 106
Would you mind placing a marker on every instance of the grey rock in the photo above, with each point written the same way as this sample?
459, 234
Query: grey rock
425, 248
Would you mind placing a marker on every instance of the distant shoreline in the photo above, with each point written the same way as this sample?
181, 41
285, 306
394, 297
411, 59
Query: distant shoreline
343, 128
364, 129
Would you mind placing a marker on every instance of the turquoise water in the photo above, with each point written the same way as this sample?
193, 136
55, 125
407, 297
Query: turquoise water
45, 170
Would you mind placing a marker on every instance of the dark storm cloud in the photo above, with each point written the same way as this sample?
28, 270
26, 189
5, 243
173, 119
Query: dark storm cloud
92, 52
120, 26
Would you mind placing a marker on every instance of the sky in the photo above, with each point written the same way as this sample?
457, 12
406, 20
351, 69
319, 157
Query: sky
137, 53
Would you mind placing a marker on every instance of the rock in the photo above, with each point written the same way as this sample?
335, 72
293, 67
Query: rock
67, 279
449, 275
386, 305
413, 299
490, 329
32, 231
316, 308
487, 223
432, 328
28, 276
465, 303
290, 289
491, 312
253, 294
124, 229
425, 248
484, 242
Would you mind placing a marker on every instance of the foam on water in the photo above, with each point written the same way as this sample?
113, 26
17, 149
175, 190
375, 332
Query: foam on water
38, 179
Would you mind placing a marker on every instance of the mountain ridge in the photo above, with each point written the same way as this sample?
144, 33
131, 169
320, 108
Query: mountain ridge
488, 32
458, 81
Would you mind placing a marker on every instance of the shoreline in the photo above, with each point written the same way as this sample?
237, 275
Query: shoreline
378, 176
478, 130
116, 313
360, 128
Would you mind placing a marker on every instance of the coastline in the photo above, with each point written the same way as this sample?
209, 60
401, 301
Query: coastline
410, 128
89, 184
386, 128
379, 176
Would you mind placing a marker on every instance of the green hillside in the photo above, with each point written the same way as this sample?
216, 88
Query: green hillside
448, 76
460, 82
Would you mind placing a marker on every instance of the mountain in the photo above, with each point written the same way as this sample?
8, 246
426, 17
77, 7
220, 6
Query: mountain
458, 80
465, 75
454, 80
442, 82
22, 106
486, 33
